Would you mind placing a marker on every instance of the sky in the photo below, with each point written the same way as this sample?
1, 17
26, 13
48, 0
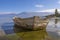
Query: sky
16, 6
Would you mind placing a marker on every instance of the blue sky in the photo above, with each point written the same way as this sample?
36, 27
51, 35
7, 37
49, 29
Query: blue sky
28, 5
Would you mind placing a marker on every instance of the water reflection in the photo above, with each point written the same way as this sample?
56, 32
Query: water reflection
7, 32
8, 28
31, 35
53, 28
54, 35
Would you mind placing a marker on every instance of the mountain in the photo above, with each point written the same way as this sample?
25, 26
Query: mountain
31, 14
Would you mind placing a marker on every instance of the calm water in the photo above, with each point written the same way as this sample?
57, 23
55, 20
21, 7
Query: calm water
9, 32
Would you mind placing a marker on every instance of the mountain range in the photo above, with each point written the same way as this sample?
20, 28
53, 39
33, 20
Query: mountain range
27, 14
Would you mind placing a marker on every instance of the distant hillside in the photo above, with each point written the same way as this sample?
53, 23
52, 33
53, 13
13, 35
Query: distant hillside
52, 15
27, 14
31, 14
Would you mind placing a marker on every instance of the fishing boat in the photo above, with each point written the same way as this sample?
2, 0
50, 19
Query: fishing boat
33, 23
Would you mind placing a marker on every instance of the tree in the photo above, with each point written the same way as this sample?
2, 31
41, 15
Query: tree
56, 13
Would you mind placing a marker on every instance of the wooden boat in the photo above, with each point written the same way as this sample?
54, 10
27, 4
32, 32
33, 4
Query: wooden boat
33, 23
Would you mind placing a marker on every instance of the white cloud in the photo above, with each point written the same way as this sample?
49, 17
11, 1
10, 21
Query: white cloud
58, 2
49, 10
38, 5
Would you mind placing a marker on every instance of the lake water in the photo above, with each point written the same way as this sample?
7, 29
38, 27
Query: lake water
9, 32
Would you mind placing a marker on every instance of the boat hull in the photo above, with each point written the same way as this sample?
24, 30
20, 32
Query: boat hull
30, 23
